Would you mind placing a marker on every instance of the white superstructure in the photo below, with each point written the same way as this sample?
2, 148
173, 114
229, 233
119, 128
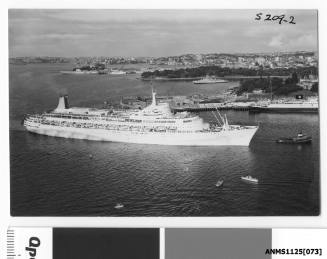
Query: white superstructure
155, 124
80, 72
308, 105
295, 104
117, 72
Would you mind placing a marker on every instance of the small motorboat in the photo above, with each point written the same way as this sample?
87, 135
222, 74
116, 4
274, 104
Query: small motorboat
119, 206
299, 139
219, 183
249, 179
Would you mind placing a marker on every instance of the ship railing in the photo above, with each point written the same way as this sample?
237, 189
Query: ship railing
81, 116
113, 127
111, 117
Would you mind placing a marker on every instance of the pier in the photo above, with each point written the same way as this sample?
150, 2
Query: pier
202, 107
231, 78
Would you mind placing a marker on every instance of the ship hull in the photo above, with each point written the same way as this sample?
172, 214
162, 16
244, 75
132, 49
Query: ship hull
283, 110
204, 83
223, 138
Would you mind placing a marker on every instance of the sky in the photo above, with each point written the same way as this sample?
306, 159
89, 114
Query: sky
155, 33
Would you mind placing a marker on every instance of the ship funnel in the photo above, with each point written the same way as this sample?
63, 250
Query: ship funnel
63, 103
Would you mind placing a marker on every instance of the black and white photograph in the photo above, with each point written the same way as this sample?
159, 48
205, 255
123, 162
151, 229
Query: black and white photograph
161, 113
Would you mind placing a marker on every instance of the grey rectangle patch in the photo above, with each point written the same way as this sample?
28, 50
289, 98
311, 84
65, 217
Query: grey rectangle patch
217, 243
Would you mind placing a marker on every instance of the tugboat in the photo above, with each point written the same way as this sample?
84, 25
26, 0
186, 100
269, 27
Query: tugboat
299, 139
249, 179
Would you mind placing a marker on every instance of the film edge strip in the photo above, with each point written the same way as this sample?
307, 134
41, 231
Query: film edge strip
37, 242
11, 244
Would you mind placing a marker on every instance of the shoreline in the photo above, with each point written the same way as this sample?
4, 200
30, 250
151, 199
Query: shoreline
233, 77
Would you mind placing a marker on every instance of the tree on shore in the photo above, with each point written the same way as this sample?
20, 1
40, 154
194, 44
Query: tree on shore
227, 71
277, 87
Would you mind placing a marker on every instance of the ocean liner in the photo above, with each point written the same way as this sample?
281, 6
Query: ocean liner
155, 124
209, 80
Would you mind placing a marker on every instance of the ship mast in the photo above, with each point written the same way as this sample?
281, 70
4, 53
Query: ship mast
154, 101
271, 92
221, 117
225, 124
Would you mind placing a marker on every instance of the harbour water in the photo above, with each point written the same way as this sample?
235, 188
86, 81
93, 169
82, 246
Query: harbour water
66, 177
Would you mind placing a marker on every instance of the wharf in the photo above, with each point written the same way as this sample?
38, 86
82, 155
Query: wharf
202, 107
171, 79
